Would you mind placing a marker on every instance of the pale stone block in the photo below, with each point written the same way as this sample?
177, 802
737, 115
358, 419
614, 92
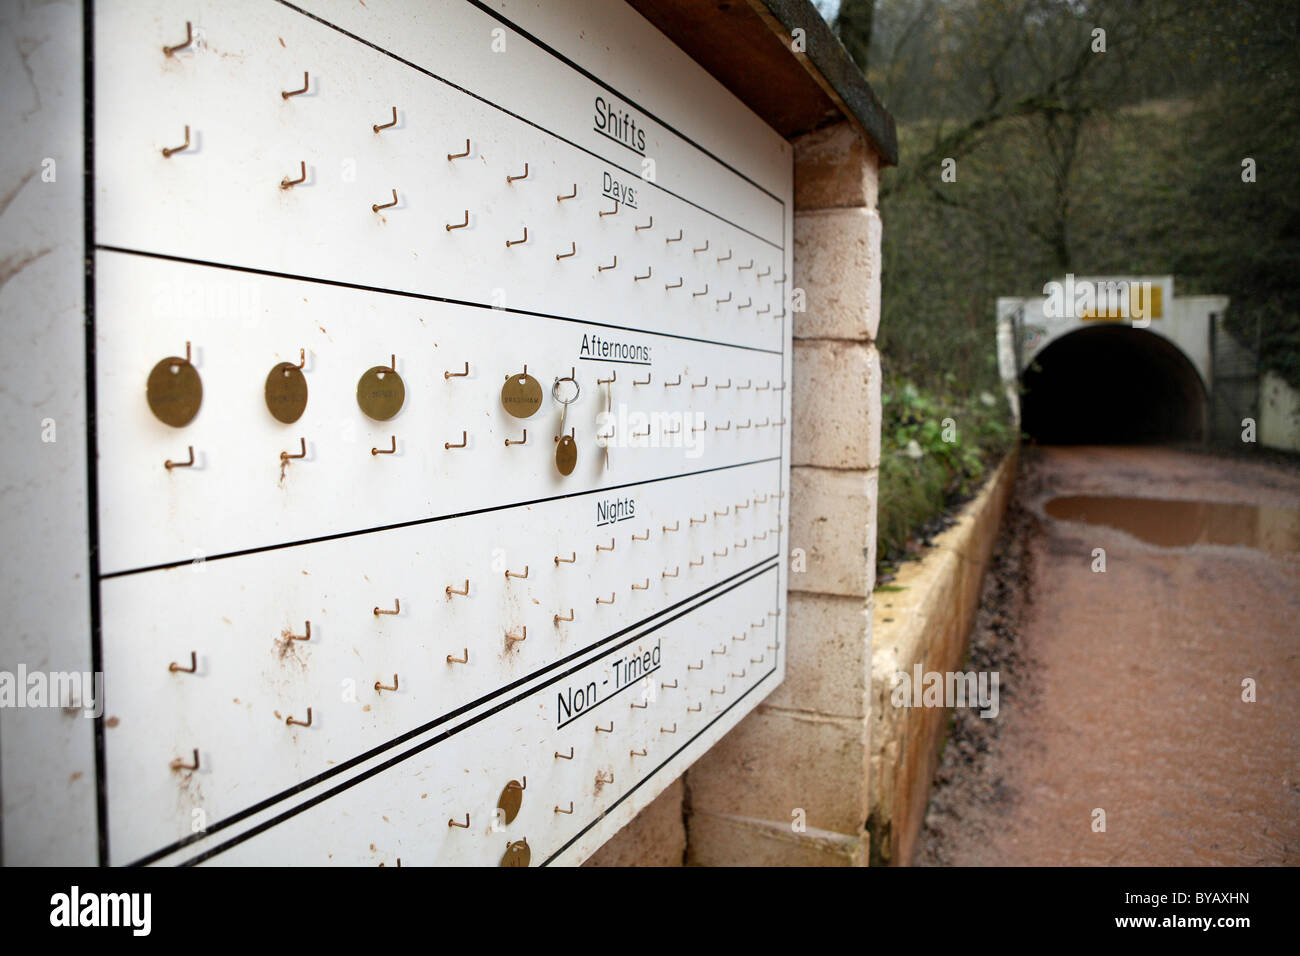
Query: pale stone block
832, 531
774, 763
828, 656
655, 837
836, 405
834, 166
837, 266
722, 840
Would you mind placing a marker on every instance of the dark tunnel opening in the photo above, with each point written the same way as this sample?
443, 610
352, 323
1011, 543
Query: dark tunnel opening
1112, 385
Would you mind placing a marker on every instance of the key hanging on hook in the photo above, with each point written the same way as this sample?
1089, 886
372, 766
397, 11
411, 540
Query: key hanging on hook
609, 407
566, 446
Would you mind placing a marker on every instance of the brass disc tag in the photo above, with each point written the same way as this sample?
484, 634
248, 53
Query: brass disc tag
521, 395
512, 797
286, 392
517, 854
566, 455
380, 393
174, 391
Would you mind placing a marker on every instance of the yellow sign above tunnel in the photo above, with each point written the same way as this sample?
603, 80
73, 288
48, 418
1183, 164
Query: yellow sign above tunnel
1145, 301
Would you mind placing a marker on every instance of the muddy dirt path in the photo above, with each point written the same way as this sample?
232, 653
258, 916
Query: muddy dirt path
1122, 690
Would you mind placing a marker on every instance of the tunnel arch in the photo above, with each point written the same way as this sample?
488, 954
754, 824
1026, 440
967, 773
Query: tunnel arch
1112, 384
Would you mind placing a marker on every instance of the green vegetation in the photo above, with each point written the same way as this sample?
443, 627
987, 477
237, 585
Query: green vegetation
936, 447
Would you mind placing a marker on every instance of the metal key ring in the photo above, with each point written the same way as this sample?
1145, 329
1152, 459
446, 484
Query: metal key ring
577, 390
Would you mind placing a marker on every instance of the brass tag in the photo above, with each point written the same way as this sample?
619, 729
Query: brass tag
286, 392
380, 393
517, 854
512, 797
566, 455
174, 391
521, 395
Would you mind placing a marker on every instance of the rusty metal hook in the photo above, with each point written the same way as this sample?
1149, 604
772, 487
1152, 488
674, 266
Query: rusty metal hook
285, 456
168, 150
169, 464
189, 38
378, 127
287, 183
306, 82
179, 764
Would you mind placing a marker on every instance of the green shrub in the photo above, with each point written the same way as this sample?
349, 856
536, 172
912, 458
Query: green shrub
936, 445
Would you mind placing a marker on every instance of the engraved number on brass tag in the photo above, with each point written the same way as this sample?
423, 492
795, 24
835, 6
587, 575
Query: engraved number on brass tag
517, 854
286, 392
174, 391
566, 455
512, 797
521, 395
380, 393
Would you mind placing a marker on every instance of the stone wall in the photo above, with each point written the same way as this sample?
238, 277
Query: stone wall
926, 621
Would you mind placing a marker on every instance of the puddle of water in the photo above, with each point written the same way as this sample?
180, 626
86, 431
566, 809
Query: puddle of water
1178, 524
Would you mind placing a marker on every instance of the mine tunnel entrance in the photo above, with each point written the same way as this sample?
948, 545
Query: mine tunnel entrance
1111, 385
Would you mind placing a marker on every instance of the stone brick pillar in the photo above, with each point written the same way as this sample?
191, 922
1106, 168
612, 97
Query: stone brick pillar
789, 785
